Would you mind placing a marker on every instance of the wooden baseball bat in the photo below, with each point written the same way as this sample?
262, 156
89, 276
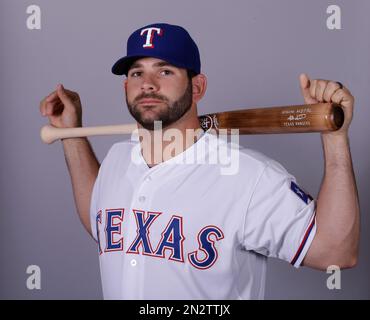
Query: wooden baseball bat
320, 117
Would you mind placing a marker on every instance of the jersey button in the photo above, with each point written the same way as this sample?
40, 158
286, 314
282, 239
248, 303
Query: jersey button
142, 198
133, 262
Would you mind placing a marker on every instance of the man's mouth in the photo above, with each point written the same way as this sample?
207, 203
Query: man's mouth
149, 101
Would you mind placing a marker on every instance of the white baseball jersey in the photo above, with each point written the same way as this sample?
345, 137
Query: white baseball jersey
187, 231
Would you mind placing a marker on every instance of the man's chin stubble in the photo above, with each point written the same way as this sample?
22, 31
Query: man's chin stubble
148, 122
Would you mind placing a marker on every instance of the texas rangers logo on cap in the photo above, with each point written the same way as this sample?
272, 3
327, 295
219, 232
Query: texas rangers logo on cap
149, 36
167, 42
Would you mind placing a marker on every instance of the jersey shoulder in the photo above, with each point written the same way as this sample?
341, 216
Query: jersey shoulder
253, 158
249, 161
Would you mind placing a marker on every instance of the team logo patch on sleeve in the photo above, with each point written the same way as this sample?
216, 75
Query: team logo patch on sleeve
300, 193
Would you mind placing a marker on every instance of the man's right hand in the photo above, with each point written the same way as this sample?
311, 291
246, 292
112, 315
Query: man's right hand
63, 108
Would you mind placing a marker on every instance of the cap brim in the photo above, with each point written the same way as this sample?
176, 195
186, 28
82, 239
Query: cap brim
122, 66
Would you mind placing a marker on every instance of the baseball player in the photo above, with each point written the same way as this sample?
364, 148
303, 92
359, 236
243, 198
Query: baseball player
167, 229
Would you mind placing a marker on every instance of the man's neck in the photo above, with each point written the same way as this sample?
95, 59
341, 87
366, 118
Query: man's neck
163, 144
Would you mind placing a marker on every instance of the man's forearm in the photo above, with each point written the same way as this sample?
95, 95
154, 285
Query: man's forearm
83, 167
337, 205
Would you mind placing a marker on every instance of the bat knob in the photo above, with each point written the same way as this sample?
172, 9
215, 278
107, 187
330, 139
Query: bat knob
47, 134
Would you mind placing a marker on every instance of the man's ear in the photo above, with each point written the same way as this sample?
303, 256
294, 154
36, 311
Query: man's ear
199, 83
125, 85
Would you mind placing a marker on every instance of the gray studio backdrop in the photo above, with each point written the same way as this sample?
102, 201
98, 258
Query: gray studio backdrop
252, 52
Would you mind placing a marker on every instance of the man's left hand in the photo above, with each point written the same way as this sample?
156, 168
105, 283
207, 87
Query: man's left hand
318, 90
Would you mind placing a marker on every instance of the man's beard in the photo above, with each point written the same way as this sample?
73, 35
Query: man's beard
171, 114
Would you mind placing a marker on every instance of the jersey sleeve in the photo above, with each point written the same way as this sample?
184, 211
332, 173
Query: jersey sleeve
280, 219
94, 208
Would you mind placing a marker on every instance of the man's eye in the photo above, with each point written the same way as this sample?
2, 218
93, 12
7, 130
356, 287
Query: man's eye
166, 72
135, 74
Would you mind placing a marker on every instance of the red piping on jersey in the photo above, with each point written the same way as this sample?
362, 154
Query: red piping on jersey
303, 242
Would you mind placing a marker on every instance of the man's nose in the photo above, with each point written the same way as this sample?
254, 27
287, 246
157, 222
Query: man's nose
149, 83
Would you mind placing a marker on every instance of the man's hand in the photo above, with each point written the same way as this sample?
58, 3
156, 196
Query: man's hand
63, 108
319, 90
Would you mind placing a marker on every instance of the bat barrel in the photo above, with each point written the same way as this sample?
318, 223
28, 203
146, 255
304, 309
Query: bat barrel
321, 117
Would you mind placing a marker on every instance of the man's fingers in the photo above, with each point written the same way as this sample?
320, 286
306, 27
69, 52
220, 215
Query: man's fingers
43, 105
313, 88
65, 92
330, 89
343, 97
51, 96
304, 81
64, 96
58, 109
320, 88
56, 99
49, 109
306, 84
70, 99
52, 108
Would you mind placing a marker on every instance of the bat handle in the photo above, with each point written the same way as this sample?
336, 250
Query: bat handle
49, 133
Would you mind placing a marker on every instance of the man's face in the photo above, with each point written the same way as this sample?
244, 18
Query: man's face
157, 91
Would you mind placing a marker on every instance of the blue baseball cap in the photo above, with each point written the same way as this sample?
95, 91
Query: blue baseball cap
167, 42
